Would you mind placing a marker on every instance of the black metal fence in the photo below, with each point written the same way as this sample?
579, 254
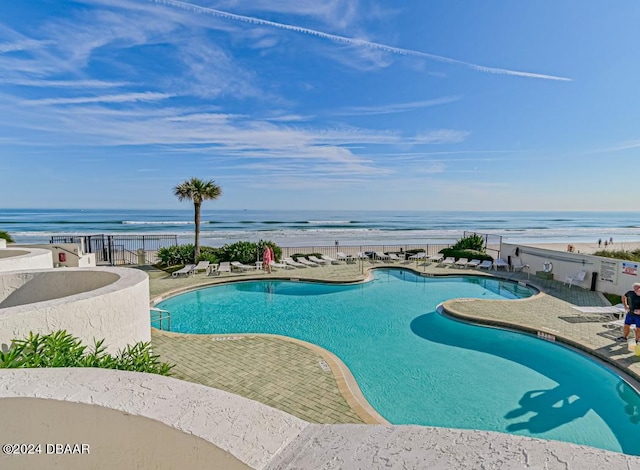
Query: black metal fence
121, 249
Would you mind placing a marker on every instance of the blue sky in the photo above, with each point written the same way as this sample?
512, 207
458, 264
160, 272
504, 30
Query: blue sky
340, 104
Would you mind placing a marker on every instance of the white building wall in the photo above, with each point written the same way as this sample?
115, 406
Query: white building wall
16, 258
92, 304
70, 255
613, 276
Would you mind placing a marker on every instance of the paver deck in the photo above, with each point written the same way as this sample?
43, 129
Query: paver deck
288, 375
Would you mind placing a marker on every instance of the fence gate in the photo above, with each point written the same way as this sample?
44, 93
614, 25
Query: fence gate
121, 249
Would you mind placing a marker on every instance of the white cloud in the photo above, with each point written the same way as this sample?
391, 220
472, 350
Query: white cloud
121, 98
353, 41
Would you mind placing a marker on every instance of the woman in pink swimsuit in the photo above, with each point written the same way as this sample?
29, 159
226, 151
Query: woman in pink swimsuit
267, 258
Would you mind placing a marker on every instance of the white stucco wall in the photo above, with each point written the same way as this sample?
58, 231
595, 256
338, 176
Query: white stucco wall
97, 303
267, 439
612, 278
74, 256
23, 258
3, 243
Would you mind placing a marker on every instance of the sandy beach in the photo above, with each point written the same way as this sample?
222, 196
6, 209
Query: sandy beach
588, 248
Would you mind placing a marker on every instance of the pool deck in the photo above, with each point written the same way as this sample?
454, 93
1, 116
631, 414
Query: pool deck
293, 376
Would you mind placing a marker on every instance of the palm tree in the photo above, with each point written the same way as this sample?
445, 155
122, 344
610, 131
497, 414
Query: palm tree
197, 191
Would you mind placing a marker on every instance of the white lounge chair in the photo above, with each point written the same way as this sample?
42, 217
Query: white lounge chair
461, 263
473, 263
292, 262
500, 263
223, 267
578, 277
394, 257
189, 269
276, 265
242, 267
344, 257
306, 262
418, 256
486, 264
329, 259
437, 258
202, 266
448, 261
519, 267
381, 256
362, 255
315, 259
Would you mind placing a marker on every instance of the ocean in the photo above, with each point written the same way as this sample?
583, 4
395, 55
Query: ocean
319, 228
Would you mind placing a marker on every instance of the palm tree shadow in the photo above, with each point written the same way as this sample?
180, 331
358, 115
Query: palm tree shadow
552, 408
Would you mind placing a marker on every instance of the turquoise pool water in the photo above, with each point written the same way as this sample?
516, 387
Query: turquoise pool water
416, 366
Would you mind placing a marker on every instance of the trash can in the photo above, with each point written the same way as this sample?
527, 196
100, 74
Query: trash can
141, 257
594, 279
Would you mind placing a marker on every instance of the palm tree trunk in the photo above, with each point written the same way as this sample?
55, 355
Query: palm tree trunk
196, 210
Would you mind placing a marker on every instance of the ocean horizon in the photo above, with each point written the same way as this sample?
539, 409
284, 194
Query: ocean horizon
306, 228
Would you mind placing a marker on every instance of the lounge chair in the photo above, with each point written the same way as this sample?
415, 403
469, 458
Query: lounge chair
500, 263
223, 267
418, 256
461, 263
381, 256
486, 264
344, 257
329, 259
578, 277
242, 267
202, 266
362, 255
189, 269
306, 262
519, 267
292, 262
448, 261
437, 258
276, 265
473, 263
315, 259
394, 257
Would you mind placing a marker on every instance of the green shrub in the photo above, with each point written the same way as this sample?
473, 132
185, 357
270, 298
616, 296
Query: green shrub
60, 349
620, 254
178, 254
5, 236
472, 242
210, 254
469, 254
248, 252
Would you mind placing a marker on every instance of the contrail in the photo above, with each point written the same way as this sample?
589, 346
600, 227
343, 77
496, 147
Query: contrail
355, 42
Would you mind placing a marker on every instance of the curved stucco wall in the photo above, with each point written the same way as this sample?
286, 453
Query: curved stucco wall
256, 435
22, 259
97, 303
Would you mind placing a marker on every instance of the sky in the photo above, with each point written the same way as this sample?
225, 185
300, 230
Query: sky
312, 104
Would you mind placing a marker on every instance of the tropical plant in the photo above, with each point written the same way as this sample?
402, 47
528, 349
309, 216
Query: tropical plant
61, 349
5, 236
178, 254
472, 242
620, 254
197, 190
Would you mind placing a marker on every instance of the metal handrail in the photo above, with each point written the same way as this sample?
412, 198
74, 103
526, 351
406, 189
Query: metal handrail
158, 315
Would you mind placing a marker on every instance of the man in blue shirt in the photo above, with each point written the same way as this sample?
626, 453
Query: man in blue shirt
631, 302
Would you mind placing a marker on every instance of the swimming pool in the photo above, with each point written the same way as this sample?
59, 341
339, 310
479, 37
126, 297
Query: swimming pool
416, 366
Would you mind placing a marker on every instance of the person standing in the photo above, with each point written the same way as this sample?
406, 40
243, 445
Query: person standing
267, 258
599, 242
631, 302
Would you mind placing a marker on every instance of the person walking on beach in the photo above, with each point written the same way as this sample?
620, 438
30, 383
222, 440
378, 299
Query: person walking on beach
267, 258
631, 302
599, 242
